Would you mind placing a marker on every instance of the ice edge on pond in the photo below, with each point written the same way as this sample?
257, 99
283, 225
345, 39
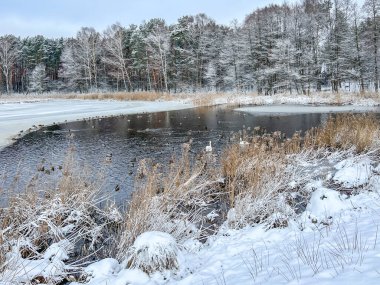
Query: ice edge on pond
16, 117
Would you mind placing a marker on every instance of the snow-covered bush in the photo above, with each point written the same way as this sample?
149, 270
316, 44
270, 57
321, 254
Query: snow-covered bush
264, 182
154, 251
174, 200
46, 267
37, 226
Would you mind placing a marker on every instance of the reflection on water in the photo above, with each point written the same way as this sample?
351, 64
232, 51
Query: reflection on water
115, 145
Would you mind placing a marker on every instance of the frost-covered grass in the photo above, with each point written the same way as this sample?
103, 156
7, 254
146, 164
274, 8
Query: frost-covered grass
271, 210
46, 235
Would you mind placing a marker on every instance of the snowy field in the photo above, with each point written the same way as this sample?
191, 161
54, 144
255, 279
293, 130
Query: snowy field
19, 116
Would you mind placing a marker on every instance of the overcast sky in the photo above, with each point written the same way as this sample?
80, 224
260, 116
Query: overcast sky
56, 18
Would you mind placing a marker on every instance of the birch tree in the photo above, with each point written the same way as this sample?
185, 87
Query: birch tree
87, 53
8, 56
158, 45
372, 8
115, 56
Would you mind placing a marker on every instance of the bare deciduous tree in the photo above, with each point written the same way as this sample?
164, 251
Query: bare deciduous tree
8, 56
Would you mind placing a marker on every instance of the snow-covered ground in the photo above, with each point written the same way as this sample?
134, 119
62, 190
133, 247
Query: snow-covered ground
297, 109
20, 116
327, 98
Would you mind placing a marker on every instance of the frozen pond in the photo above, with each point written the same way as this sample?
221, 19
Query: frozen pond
130, 138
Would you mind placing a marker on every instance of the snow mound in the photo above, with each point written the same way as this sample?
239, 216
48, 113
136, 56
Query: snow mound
154, 251
353, 173
49, 267
325, 203
103, 268
109, 271
59, 250
132, 277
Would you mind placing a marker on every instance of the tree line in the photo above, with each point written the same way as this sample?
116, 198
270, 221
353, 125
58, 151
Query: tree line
299, 48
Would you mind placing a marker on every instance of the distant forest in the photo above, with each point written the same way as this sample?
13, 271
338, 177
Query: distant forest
298, 48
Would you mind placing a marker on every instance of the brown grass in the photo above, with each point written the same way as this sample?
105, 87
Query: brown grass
259, 174
361, 132
169, 198
255, 174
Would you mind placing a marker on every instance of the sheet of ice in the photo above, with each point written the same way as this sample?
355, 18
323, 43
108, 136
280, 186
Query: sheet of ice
15, 117
279, 110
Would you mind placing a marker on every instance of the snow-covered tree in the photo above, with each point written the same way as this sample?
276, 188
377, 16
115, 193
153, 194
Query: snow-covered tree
38, 79
158, 46
372, 8
114, 42
71, 70
9, 53
87, 55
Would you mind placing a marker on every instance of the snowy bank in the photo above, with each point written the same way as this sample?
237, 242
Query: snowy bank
327, 98
279, 110
15, 117
334, 241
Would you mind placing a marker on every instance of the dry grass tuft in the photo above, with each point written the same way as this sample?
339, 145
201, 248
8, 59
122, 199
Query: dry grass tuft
154, 251
259, 174
361, 132
172, 199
